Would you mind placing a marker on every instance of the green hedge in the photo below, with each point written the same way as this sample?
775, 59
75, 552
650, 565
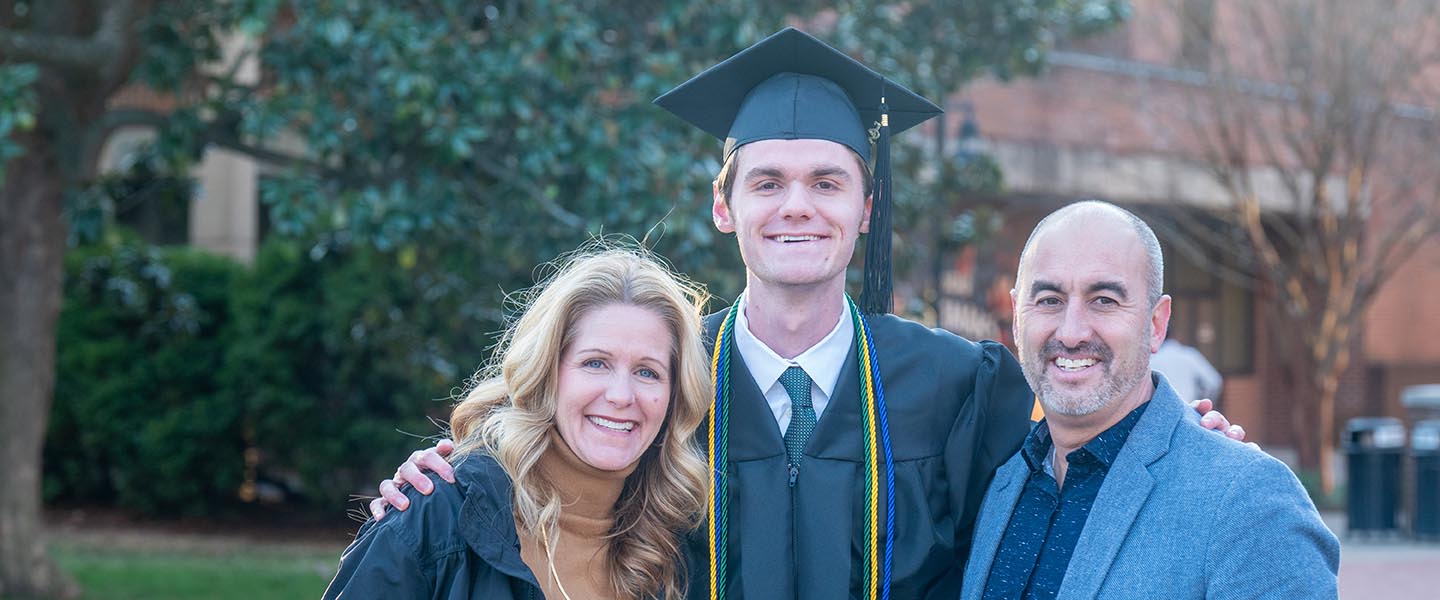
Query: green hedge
139, 419
322, 361
341, 357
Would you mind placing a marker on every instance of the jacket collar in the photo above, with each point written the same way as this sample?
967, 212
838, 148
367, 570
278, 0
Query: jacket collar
1104, 448
822, 362
487, 518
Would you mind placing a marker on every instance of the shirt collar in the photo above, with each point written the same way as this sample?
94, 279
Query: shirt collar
1105, 447
822, 362
1037, 446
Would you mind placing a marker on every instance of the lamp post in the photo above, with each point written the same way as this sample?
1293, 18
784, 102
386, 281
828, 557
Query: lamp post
966, 173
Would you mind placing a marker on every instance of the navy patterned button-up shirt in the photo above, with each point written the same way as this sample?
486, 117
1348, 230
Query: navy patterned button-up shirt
1035, 551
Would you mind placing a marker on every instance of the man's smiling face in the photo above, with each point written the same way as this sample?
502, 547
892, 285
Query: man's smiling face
1084, 325
796, 209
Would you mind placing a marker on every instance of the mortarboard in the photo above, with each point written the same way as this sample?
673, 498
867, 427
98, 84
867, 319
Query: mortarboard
793, 86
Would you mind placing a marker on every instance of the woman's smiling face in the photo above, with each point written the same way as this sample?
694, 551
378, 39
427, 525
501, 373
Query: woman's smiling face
613, 386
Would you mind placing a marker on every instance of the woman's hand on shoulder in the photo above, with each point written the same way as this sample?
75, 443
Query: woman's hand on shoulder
412, 471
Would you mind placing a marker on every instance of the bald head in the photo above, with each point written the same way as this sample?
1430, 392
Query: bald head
1089, 312
1104, 220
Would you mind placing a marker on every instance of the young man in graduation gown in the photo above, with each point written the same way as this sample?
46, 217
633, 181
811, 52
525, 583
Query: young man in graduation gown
816, 495
851, 447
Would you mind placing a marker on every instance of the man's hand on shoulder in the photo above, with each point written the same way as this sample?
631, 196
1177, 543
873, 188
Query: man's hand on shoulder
412, 471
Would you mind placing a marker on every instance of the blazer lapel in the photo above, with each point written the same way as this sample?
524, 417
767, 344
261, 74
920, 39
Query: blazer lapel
1126, 489
990, 525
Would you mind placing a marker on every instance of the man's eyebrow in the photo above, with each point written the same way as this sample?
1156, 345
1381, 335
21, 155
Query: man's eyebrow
1115, 287
1041, 285
830, 171
762, 172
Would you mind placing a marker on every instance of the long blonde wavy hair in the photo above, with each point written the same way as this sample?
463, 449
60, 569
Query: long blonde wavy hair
510, 410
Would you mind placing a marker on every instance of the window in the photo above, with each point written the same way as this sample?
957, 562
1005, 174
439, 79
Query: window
156, 206
1212, 314
1197, 24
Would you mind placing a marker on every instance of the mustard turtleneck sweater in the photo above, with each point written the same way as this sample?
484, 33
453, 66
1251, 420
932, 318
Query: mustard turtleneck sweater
588, 497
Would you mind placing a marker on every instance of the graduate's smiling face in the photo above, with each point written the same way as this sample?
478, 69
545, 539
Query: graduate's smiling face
796, 209
1084, 325
613, 385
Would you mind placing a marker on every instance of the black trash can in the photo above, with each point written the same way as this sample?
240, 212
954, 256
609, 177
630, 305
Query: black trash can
1374, 447
1425, 455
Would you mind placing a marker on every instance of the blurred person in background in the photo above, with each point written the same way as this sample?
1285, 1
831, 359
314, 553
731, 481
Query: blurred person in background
1187, 370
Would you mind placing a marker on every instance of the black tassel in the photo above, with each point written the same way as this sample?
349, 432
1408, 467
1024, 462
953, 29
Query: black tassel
877, 297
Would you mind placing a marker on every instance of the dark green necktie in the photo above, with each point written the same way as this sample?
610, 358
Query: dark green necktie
802, 413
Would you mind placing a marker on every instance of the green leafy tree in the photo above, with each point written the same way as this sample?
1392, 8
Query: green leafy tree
517, 128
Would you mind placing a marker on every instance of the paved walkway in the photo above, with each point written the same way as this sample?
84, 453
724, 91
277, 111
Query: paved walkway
1385, 567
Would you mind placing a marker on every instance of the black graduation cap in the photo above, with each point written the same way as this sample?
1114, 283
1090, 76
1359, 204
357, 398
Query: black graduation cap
793, 86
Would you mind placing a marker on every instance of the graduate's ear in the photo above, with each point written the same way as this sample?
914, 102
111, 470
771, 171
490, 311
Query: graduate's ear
720, 209
865, 219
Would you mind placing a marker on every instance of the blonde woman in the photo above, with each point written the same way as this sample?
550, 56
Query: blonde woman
576, 473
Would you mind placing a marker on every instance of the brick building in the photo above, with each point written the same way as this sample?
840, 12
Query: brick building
1108, 121
225, 214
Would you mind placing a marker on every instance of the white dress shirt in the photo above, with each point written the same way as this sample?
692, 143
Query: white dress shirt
822, 362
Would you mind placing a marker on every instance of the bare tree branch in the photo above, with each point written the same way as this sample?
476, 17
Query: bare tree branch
1181, 234
1394, 250
1326, 93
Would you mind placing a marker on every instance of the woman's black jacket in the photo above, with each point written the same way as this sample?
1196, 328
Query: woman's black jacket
458, 543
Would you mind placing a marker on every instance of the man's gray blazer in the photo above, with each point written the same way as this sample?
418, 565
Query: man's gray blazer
1183, 513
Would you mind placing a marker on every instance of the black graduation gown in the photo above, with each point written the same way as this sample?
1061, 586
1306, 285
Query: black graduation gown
957, 410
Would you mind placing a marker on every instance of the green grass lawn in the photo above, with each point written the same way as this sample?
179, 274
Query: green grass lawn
236, 570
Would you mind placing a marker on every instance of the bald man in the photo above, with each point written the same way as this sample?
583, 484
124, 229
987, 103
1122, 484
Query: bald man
1104, 497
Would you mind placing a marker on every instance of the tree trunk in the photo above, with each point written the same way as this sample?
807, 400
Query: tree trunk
1325, 407
1312, 418
32, 244
1304, 397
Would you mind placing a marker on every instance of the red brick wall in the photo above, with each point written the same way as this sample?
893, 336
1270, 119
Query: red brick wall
1078, 108
1403, 324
